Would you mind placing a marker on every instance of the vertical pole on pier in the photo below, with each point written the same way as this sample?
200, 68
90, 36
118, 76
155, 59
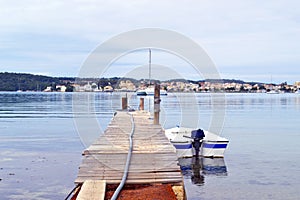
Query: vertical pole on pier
141, 103
124, 103
156, 103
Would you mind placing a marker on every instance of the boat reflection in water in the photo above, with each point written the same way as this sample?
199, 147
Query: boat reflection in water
199, 168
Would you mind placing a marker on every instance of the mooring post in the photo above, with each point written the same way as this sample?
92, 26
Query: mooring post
124, 103
141, 103
156, 103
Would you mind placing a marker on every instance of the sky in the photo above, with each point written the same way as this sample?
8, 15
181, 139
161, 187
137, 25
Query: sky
247, 40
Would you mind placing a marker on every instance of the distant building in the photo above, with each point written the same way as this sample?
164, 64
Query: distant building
48, 89
95, 87
78, 88
61, 88
88, 87
126, 86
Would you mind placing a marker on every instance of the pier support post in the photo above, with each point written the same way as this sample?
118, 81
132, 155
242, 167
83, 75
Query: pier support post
142, 104
124, 103
156, 103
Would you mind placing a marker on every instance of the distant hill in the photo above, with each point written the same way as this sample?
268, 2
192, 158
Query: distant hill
231, 81
22, 81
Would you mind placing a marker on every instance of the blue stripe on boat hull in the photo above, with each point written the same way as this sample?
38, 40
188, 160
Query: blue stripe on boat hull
205, 145
214, 146
183, 146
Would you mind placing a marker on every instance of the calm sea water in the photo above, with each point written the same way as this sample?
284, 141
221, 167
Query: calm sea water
40, 149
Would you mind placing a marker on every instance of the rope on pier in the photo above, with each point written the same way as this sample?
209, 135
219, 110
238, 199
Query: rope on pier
118, 190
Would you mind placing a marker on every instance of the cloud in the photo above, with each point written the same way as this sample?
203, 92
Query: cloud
235, 33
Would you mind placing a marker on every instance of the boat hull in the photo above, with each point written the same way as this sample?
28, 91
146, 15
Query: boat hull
213, 149
208, 149
150, 92
141, 93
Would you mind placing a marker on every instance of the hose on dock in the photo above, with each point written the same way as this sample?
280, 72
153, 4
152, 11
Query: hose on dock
126, 170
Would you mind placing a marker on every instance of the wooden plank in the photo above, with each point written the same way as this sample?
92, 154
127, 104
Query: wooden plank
132, 176
92, 190
142, 181
136, 159
133, 168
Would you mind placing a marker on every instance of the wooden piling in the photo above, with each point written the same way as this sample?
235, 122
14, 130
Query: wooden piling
142, 104
156, 103
124, 103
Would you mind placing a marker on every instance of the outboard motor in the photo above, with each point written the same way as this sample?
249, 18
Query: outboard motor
197, 136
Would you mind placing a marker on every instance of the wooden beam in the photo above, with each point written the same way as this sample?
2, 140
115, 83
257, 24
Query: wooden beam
92, 190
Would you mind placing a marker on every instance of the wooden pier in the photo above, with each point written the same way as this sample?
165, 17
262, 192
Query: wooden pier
153, 161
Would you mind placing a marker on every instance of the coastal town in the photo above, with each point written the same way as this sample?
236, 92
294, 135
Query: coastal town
126, 85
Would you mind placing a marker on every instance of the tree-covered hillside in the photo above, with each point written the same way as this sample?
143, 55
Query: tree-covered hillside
20, 81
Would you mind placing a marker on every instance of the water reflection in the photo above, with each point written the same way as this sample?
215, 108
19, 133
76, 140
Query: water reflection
197, 169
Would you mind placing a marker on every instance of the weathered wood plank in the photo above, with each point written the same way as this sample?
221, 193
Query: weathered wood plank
92, 190
142, 181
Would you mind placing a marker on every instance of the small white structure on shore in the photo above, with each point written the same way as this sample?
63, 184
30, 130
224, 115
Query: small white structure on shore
48, 89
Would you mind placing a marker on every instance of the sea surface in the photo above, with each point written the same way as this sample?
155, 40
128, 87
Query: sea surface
40, 147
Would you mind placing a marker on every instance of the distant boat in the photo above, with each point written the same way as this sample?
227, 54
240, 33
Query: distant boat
141, 93
19, 91
150, 92
273, 92
163, 92
212, 144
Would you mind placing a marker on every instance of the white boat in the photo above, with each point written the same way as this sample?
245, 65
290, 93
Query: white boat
273, 92
141, 93
297, 92
163, 92
212, 144
150, 92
